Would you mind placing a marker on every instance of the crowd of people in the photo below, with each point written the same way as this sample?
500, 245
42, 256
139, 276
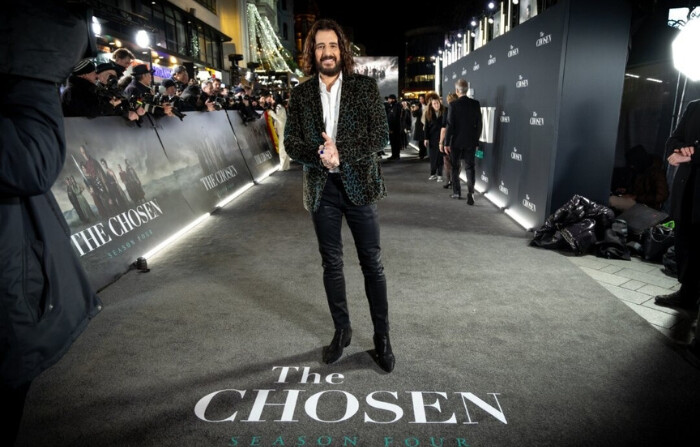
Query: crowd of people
427, 122
118, 87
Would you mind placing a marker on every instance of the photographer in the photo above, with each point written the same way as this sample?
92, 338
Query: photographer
211, 101
111, 97
181, 78
80, 96
140, 94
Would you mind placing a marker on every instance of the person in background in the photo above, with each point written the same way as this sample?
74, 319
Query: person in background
417, 131
393, 116
433, 124
337, 143
643, 180
122, 59
46, 300
279, 116
405, 124
80, 97
682, 150
181, 78
462, 138
447, 163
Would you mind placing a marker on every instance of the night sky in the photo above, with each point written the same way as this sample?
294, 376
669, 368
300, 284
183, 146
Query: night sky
382, 33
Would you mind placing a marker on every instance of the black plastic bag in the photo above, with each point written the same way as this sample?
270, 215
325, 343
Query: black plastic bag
655, 241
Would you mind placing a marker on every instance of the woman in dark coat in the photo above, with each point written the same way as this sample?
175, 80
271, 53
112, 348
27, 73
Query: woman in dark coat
434, 122
46, 300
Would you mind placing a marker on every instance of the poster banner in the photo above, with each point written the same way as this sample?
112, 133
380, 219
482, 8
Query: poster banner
204, 157
117, 193
255, 143
384, 69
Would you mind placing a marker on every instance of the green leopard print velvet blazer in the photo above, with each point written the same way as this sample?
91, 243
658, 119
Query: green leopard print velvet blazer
362, 132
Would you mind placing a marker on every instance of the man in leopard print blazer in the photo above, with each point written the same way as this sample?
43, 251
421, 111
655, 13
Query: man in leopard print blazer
335, 128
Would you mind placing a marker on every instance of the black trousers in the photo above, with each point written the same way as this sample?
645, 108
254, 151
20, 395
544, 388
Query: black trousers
457, 155
687, 246
395, 142
13, 404
364, 225
435, 161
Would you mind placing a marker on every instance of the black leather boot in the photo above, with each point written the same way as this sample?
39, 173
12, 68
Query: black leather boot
384, 355
341, 340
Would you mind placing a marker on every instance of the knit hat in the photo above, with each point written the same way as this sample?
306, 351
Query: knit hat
85, 66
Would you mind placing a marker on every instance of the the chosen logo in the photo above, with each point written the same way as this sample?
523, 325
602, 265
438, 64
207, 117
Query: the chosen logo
528, 204
544, 39
117, 227
502, 188
303, 404
504, 118
464, 71
536, 120
521, 82
484, 177
515, 155
476, 66
513, 51
454, 75
492, 59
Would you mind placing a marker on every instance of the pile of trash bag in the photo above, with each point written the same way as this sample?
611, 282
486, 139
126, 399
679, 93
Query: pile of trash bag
579, 225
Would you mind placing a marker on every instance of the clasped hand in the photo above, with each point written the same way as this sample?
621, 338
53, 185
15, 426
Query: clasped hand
328, 153
681, 155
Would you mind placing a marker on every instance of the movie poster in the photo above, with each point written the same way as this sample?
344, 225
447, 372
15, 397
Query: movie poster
204, 156
117, 193
256, 145
528, 9
384, 69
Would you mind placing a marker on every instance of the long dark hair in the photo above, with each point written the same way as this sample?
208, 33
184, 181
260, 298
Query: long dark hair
309, 61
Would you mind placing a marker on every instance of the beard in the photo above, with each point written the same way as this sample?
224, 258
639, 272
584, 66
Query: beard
328, 71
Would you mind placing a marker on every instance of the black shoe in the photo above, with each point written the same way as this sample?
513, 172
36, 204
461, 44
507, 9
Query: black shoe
447, 185
470, 199
455, 196
675, 300
341, 340
382, 350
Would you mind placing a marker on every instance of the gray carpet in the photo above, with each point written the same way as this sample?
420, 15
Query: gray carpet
497, 343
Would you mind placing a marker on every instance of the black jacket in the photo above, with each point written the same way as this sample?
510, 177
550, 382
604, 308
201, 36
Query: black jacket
80, 98
45, 298
686, 180
463, 123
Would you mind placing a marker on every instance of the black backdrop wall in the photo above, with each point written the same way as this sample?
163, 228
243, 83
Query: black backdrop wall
550, 91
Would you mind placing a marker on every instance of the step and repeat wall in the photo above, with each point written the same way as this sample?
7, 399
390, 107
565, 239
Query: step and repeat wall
550, 91
125, 189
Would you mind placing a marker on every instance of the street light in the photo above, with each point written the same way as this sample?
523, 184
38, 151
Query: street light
144, 41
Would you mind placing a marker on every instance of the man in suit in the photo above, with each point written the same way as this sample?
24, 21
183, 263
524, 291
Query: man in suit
336, 126
682, 148
462, 138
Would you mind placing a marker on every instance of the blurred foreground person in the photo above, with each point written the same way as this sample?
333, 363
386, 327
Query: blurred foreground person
46, 300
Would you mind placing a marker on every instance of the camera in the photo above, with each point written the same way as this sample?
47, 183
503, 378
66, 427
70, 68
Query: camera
152, 104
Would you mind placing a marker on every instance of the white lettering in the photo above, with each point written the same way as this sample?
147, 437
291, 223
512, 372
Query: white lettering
381, 405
